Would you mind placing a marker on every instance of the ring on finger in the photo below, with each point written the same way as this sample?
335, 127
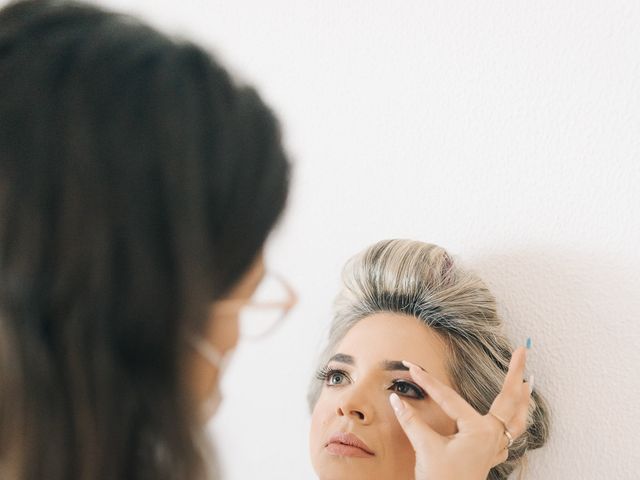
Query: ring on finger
510, 438
506, 430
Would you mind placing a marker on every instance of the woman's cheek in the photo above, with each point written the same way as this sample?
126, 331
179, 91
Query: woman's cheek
400, 453
400, 440
395, 438
320, 420
439, 421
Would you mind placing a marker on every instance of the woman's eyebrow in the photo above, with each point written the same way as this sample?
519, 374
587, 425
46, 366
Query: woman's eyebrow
388, 365
391, 365
343, 358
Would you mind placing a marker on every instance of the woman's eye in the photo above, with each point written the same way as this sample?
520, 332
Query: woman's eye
407, 389
335, 378
331, 377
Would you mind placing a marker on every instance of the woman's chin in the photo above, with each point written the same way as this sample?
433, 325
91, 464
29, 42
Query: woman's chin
347, 467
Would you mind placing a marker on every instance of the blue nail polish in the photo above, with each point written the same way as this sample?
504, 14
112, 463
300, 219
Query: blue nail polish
528, 343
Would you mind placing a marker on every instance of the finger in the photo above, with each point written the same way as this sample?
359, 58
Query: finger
515, 374
525, 394
510, 397
446, 397
500, 457
518, 422
419, 433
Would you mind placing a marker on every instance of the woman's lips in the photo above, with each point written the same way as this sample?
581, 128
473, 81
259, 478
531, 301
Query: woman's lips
348, 445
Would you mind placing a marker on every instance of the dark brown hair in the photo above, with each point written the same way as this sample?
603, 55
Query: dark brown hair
138, 182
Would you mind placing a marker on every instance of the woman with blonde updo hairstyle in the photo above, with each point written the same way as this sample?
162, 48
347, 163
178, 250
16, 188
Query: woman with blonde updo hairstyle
408, 300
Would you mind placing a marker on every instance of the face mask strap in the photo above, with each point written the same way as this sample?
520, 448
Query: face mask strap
208, 351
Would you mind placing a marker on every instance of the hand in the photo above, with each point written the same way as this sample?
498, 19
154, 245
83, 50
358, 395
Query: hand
480, 443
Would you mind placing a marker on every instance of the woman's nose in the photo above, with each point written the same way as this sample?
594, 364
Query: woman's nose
355, 408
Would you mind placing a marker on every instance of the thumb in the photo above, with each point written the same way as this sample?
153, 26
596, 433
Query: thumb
419, 433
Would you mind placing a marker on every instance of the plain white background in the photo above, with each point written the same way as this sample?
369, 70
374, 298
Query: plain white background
507, 132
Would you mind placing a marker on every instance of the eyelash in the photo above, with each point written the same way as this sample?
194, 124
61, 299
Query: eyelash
325, 373
418, 392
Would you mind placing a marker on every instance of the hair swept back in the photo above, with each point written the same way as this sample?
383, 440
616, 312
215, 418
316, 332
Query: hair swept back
423, 280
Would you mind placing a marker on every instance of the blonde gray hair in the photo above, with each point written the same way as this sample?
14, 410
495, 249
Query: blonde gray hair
422, 280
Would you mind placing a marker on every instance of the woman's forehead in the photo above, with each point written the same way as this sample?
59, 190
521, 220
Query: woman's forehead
386, 337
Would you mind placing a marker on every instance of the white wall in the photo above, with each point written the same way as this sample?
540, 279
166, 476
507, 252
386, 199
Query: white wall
506, 131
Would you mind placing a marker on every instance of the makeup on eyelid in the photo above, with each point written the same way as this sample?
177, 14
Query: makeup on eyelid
364, 369
402, 386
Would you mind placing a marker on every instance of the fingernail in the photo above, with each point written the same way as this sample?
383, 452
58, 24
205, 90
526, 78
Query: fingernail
396, 403
530, 383
528, 343
409, 365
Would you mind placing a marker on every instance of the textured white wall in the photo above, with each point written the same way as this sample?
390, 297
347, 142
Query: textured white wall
506, 131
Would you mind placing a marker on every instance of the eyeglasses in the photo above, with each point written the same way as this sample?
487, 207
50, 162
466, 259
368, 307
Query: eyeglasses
265, 311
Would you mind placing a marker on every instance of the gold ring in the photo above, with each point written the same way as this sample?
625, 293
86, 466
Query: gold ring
510, 438
506, 430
